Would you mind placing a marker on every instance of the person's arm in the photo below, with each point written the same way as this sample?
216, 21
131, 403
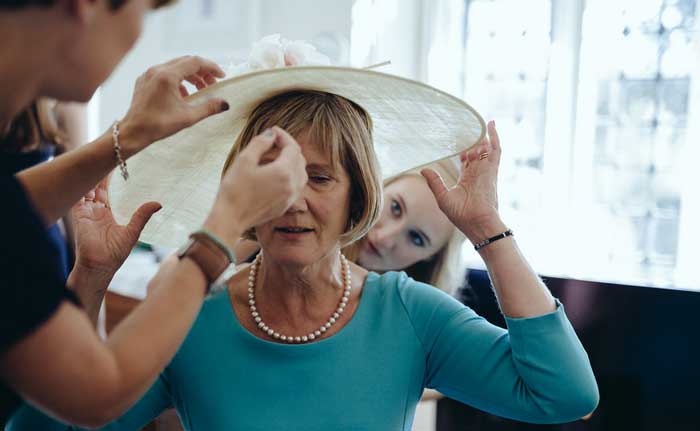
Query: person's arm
472, 205
536, 371
157, 399
89, 383
158, 109
540, 351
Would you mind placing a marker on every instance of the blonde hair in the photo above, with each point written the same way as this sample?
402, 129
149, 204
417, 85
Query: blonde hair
338, 127
444, 269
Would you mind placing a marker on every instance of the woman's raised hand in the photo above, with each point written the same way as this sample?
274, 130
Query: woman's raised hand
158, 107
472, 204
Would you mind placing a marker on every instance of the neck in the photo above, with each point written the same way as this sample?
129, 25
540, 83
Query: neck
301, 291
26, 53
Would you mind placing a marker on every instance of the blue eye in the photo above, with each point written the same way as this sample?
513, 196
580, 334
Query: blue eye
395, 208
416, 238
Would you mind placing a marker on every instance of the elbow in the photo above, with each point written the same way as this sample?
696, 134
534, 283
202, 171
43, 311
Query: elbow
104, 403
94, 416
581, 402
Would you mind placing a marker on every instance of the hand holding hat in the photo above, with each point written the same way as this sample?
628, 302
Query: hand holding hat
158, 107
472, 204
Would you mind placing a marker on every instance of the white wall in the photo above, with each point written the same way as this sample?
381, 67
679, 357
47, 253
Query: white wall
222, 30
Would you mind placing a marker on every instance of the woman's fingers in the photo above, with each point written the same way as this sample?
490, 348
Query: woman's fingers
435, 183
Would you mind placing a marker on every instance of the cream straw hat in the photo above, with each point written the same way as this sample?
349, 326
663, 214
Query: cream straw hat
414, 125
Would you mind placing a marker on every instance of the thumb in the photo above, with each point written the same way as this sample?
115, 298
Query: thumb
261, 144
435, 182
141, 216
209, 108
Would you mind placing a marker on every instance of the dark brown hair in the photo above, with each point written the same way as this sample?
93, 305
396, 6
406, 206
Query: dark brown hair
33, 127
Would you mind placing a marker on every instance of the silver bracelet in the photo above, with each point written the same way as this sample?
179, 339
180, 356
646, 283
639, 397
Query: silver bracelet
118, 150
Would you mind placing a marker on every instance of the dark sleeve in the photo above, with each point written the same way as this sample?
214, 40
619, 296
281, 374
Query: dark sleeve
31, 286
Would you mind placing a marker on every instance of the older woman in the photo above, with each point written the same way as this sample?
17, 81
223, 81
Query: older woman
412, 234
304, 339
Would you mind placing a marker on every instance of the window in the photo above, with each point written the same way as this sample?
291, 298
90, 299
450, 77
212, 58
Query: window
593, 102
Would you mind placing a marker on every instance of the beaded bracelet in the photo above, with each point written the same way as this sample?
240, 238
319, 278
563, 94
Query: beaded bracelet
486, 242
118, 150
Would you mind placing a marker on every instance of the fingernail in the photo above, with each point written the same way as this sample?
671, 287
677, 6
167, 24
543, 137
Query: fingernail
268, 133
224, 106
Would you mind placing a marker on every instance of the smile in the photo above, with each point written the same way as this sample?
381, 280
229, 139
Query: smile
293, 229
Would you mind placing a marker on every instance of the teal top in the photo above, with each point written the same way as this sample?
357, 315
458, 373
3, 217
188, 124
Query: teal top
404, 336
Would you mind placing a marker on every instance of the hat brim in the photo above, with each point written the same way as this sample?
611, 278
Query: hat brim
414, 125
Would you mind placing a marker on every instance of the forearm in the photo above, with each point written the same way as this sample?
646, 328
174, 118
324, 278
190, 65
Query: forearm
147, 339
520, 291
90, 287
56, 186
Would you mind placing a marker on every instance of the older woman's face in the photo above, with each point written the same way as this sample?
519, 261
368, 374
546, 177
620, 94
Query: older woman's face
411, 228
312, 226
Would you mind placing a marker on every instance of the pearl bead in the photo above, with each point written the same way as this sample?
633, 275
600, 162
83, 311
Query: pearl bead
304, 338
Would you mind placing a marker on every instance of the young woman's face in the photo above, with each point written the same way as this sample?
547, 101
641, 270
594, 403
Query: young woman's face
411, 228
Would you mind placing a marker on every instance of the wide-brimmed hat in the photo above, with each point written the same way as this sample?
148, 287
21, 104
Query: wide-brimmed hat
414, 125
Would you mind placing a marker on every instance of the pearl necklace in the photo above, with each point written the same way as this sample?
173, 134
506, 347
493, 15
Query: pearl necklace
304, 338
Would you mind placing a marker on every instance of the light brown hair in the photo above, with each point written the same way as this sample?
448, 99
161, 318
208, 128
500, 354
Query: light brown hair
339, 128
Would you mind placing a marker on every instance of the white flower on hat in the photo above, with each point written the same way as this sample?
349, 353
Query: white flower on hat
273, 51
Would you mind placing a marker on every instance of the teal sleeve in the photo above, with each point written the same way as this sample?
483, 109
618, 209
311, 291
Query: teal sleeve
155, 401
537, 371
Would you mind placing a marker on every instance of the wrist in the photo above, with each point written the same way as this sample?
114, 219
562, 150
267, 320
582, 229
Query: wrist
82, 278
131, 137
225, 224
481, 229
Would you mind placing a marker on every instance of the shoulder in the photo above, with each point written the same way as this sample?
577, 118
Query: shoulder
412, 294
